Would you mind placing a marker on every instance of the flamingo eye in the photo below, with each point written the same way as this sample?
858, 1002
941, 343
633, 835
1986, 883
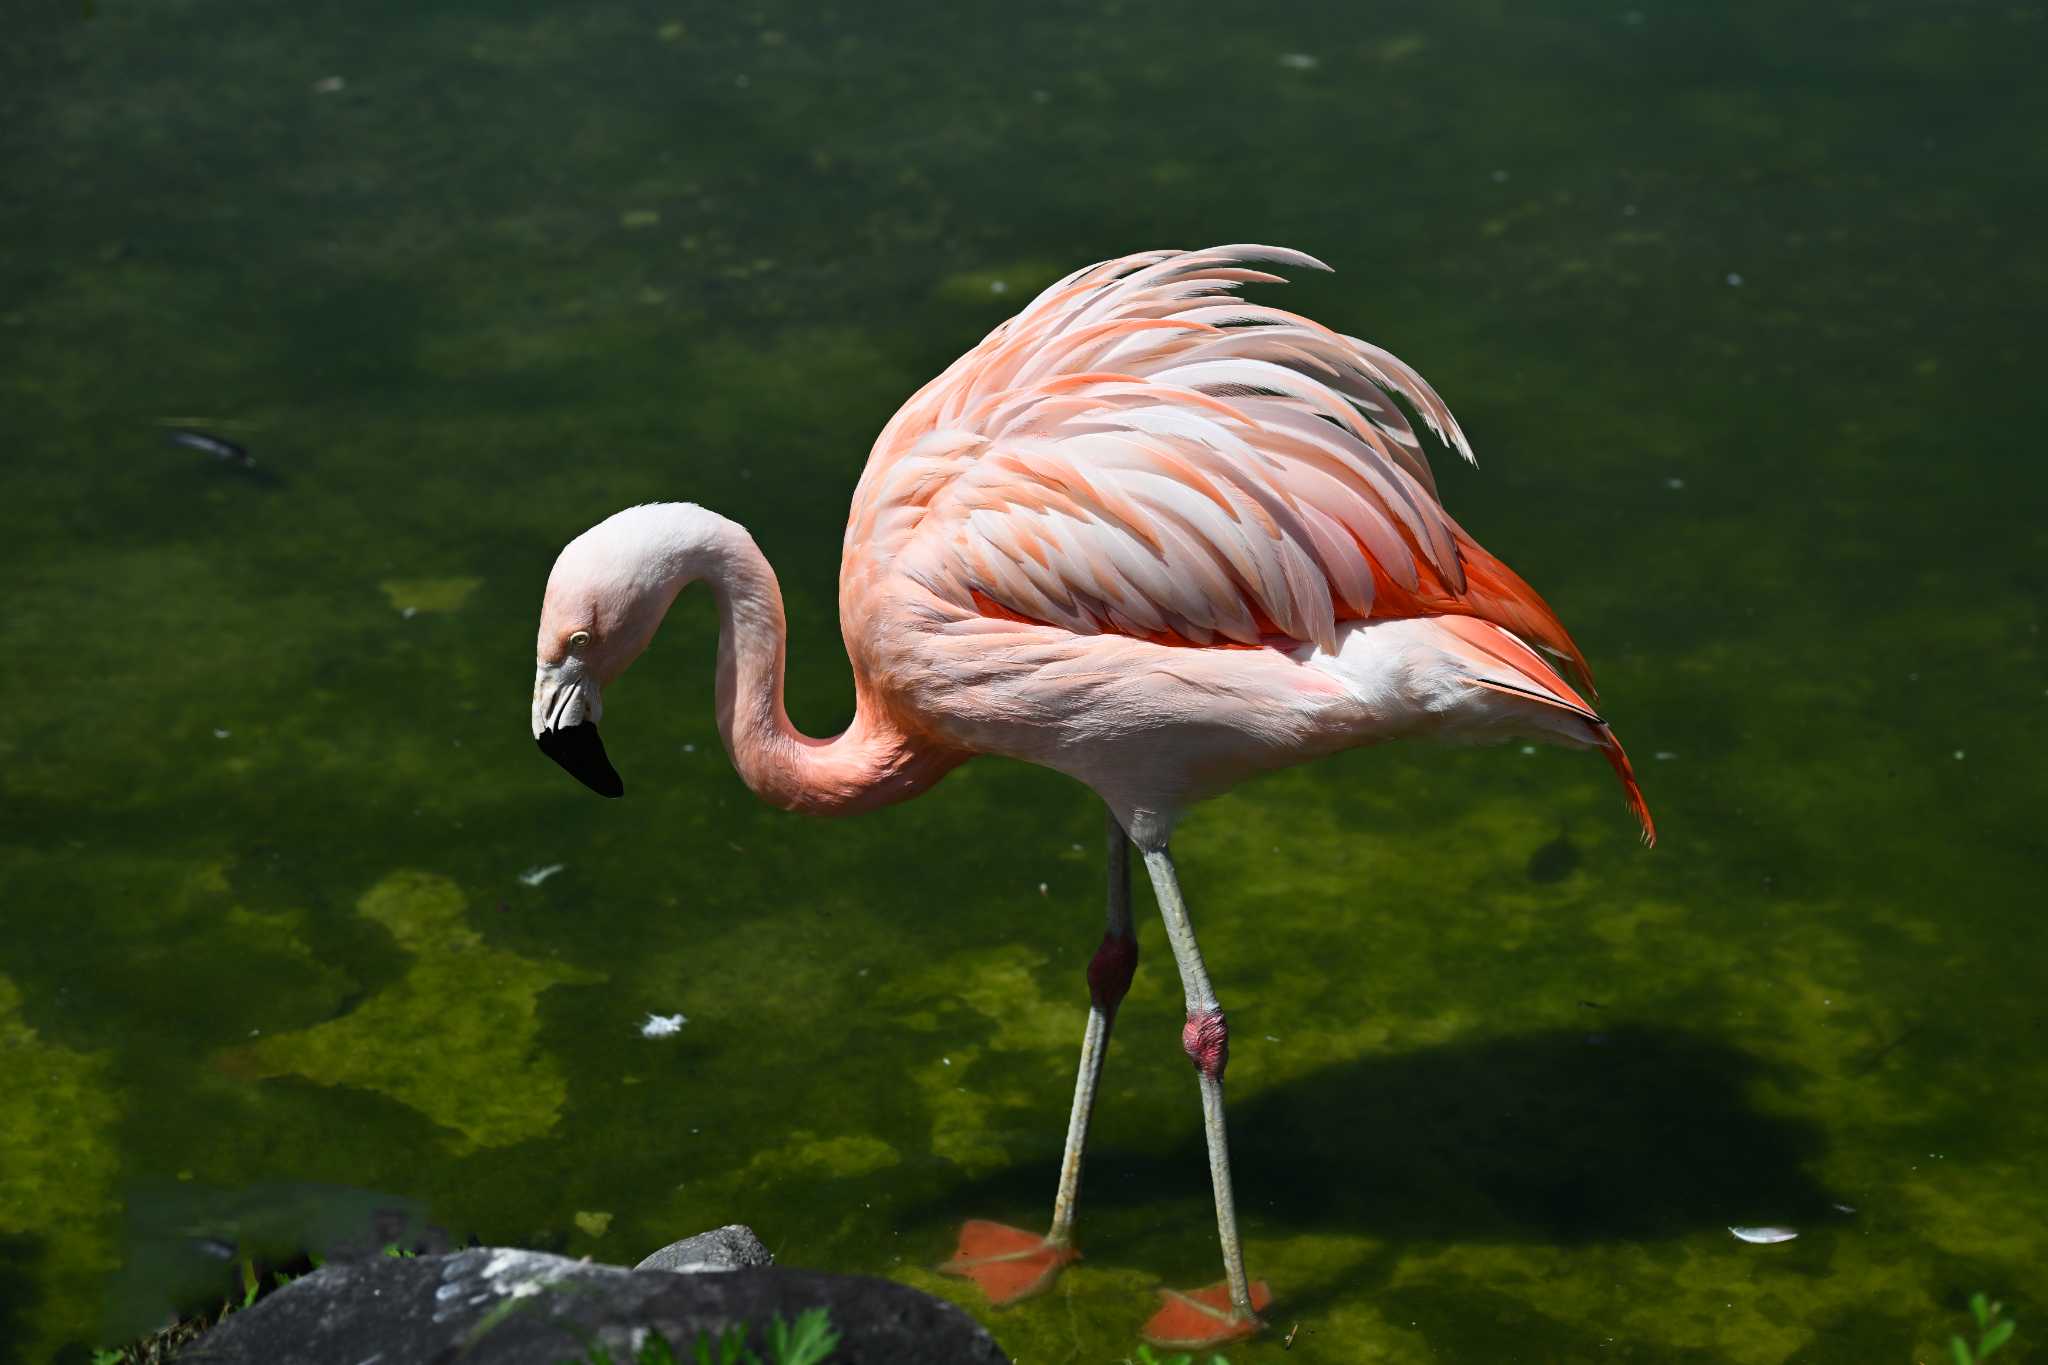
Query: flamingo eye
579, 639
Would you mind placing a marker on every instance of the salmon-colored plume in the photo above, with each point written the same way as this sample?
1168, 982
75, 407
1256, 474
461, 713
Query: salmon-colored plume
1618, 760
1497, 593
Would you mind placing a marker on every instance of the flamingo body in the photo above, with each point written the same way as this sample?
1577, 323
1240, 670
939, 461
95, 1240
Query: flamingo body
1160, 540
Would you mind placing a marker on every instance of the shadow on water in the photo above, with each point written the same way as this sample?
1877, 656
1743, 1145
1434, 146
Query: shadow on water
1559, 1137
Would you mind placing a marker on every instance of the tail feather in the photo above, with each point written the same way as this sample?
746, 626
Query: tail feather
1633, 794
1496, 593
1527, 675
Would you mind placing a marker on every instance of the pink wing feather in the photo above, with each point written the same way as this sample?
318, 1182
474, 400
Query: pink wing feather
1140, 452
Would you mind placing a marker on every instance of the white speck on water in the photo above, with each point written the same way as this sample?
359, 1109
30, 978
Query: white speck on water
1674, 483
329, 85
862, 972
408, 613
1734, 280
1271, 1039
1959, 755
1500, 177
219, 733
534, 876
998, 286
1764, 1236
945, 1061
1844, 1208
1528, 751
1298, 61
1664, 755
662, 1026
1042, 889
689, 748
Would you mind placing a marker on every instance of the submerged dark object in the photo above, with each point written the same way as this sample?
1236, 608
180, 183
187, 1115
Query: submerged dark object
1554, 861
581, 754
220, 447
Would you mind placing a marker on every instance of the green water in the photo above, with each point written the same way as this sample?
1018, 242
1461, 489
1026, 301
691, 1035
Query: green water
1740, 306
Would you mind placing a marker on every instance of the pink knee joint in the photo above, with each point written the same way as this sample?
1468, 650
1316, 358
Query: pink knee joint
1206, 1040
1110, 971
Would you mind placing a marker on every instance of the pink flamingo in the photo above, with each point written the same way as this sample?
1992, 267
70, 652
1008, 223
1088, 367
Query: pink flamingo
1146, 534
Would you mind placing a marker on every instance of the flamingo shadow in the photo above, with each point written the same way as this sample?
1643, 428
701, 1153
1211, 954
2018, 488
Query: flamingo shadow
1561, 1137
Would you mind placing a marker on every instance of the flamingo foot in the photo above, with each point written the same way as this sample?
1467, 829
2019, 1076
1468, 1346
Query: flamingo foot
1203, 1318
1008, 1263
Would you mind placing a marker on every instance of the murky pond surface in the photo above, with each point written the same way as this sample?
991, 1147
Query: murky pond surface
1741, 308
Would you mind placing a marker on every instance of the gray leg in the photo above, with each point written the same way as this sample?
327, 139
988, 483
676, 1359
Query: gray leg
1109, 977
1207, 1042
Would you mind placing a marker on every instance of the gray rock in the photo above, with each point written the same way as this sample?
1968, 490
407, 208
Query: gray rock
502, 1306
732, 1247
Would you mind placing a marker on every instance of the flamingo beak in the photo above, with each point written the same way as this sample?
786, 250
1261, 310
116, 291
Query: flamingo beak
565, 709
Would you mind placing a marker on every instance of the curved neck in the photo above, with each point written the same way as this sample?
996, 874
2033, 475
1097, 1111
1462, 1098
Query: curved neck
873, 763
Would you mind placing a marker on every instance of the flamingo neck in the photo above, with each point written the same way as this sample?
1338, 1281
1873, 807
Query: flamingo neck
874, 762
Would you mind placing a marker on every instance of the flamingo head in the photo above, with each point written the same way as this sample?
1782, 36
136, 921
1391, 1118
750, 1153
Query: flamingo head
605, 598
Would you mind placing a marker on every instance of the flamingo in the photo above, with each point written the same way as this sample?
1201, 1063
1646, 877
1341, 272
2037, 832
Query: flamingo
1146, 534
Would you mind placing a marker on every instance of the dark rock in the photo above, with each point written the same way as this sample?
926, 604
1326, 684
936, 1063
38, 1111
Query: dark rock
732, 1247
501, 1306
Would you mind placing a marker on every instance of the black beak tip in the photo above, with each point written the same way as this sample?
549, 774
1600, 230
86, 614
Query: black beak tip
581, 754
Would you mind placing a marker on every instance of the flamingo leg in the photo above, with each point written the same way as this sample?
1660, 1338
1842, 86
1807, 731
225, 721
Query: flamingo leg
1109, 977
1010, 1263
1229, 1311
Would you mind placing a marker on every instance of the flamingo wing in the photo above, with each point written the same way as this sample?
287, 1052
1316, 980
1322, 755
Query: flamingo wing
1139, 451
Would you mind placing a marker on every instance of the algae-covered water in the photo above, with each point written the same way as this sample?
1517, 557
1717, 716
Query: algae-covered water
1740, 304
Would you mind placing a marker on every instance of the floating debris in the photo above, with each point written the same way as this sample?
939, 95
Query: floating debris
662, 1026
1665, 755
1298, 61
1734, 280
219, 733
220, 447
329, 85
1764, 1236
534, 876
1843, 1208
